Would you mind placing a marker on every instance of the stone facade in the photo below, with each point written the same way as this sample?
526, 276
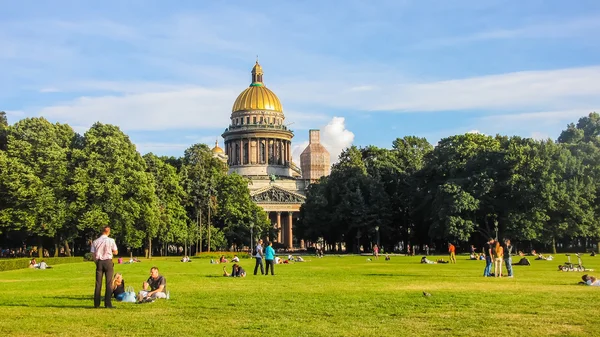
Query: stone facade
258, 146
315, 160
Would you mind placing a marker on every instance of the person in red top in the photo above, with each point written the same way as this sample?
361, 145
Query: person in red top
452, 250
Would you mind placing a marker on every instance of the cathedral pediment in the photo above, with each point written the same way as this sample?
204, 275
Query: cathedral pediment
275, 194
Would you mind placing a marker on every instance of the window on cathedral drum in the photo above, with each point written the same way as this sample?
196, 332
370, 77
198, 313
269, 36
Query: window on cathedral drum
254, 120
247, 120
262, 153
245, 154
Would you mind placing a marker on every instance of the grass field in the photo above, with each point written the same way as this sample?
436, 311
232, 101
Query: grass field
332, 296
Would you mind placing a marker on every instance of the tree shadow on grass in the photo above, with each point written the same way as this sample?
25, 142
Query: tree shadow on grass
73, 297
58, 306
391, 275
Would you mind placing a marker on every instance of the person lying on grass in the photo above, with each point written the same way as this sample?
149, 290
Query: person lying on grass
236, 271
590, 280
425, 260
155, 287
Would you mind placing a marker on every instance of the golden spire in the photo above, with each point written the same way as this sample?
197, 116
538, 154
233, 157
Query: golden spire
257, 74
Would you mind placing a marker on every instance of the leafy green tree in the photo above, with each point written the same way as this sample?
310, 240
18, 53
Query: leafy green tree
3, 131
173, 220
43, 148
235, 211
113, 188
200, 174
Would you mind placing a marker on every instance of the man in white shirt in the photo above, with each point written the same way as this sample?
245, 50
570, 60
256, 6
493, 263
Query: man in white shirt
103, 249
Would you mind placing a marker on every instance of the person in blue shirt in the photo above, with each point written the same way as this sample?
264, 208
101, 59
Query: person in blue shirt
269, 257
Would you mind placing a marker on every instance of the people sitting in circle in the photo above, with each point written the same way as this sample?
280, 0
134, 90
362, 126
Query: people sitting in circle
590, 281
186, 259
155, 287
425, 260
33, 263
236, 271
387, 257
235, 259
118, 287
222, 259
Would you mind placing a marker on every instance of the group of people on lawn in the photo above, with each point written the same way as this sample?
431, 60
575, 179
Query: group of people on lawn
103, 249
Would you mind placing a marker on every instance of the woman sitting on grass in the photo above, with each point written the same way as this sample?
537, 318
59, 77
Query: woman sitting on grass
118, 287
222, 259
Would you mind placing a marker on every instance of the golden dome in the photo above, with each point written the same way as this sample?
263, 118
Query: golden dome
217, 149
257, 96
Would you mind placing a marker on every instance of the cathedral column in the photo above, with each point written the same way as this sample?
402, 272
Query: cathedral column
279, 227
241, 157
251, 151
267, 151
288, 237
279, 152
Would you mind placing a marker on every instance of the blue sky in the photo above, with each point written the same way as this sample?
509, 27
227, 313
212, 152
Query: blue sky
364, 72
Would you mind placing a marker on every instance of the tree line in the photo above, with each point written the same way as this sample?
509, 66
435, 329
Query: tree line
58, 188
466, 189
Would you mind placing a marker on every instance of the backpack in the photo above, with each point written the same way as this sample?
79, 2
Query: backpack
255, 251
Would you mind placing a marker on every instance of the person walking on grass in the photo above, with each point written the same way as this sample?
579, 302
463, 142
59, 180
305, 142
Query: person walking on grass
489, 248
269, 257
103, 249
508, 257
258, 255
498, 258
452, 251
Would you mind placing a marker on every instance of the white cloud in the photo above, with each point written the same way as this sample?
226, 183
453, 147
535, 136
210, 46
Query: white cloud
334, 137
543, 30
178, 109
539, 135
537, 118
526, 90
477, 132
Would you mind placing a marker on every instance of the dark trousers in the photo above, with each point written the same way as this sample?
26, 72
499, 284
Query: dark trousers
272, 264
104, 268
259, 263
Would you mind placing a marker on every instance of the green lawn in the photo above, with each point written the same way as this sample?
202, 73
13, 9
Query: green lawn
333, 296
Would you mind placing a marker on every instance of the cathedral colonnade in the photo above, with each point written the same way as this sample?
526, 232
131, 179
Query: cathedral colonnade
258, 151
283, 224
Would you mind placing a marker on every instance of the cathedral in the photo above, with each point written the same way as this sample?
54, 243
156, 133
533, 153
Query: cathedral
258, 146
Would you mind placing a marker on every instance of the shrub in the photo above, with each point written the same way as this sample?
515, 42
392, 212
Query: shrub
22, 263
217, 255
